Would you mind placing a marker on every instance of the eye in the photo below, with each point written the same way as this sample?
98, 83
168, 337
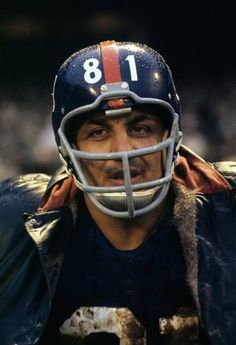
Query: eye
98, 133
140, 130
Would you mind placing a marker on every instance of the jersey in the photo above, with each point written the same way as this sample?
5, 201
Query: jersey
139, 287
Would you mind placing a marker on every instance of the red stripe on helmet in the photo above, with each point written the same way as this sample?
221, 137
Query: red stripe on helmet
111, 67
110, 60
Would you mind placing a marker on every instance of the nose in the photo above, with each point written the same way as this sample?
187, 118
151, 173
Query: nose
121, 142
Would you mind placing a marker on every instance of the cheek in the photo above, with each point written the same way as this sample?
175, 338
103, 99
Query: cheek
154, 164
93, 170
87, 145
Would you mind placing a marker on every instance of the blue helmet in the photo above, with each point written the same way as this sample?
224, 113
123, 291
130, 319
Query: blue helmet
114, 77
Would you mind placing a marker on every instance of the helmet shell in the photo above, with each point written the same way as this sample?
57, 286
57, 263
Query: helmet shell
80, 78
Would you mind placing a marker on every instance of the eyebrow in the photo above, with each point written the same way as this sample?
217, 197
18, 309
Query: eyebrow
103, 120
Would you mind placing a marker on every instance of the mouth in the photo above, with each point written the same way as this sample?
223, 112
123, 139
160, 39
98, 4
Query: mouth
117, 177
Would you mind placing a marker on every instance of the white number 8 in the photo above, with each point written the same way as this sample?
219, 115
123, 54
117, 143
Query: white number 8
92, 74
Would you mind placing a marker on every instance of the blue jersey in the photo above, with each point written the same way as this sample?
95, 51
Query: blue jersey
149, 281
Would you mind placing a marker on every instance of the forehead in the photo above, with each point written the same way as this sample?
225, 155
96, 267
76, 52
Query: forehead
134, 116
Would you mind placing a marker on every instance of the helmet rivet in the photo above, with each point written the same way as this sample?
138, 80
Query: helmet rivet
62, 110
169, 96
103, 88
124, 85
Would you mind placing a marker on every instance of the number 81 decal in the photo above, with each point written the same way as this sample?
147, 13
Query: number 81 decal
93, 74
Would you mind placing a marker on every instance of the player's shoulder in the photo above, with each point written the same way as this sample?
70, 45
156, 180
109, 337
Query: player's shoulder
27, 190
34, 183
20, 190
226, 167
228, 170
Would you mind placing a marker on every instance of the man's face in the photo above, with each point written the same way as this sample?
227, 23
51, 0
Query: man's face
136, 130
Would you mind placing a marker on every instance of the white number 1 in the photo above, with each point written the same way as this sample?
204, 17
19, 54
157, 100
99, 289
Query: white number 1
132, 67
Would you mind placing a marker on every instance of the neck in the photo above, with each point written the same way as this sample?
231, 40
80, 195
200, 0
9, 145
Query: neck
127, 234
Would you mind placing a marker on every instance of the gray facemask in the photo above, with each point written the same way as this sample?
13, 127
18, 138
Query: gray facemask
129, 200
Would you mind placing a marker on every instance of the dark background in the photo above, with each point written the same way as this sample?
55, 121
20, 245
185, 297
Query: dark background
196, 38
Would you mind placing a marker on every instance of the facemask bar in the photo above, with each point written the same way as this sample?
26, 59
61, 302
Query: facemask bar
75, 156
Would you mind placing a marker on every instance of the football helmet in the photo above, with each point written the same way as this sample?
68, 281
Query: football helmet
114, 77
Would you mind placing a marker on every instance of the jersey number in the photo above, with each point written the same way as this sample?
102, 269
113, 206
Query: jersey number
93, 74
